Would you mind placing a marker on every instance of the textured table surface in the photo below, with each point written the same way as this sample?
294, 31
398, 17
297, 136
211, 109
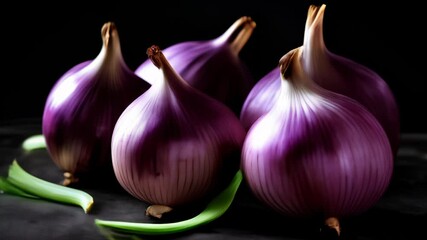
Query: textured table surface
400, 214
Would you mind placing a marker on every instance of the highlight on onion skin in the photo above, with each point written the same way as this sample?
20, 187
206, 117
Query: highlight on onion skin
261, 98
173, 144
333, 72
82, 108
212, 66
316, 153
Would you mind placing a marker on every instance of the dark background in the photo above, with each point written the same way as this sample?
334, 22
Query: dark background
42, 41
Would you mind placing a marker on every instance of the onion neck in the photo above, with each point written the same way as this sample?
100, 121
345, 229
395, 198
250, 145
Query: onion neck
298, 90
171, 77
109, 65
315, 55
237, 34
111, 57
313, 34
111, 41
292, 72
294, 82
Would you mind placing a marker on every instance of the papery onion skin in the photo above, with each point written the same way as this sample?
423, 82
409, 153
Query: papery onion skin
316, 153
345, 76
261, 98
333, 72
82, 108
173, 144
212, 66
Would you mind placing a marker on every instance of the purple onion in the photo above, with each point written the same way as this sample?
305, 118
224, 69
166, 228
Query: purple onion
334, 73
261, 98
83, 106
212, 66
316, 153
174, 143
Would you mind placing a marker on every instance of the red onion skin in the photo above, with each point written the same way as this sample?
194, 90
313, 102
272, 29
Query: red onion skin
345, 76
173, 144
212, 66
317, 153
82, 108
335, 73
261, 98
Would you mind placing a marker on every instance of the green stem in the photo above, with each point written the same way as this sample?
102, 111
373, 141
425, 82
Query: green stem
7, 187
34, 142
47, 190
216, 208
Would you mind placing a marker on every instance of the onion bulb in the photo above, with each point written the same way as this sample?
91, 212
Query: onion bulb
173, 144
316, 153
83, 106
261, 98
212, 66
335, 73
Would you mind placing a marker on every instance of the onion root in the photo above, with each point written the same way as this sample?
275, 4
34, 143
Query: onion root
157, 211
334, 224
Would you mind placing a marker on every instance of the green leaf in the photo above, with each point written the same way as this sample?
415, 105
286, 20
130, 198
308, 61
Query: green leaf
32, 185
216, 208
34, 142
7, 187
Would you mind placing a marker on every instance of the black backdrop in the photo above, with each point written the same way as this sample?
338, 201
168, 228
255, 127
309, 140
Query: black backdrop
40, 42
